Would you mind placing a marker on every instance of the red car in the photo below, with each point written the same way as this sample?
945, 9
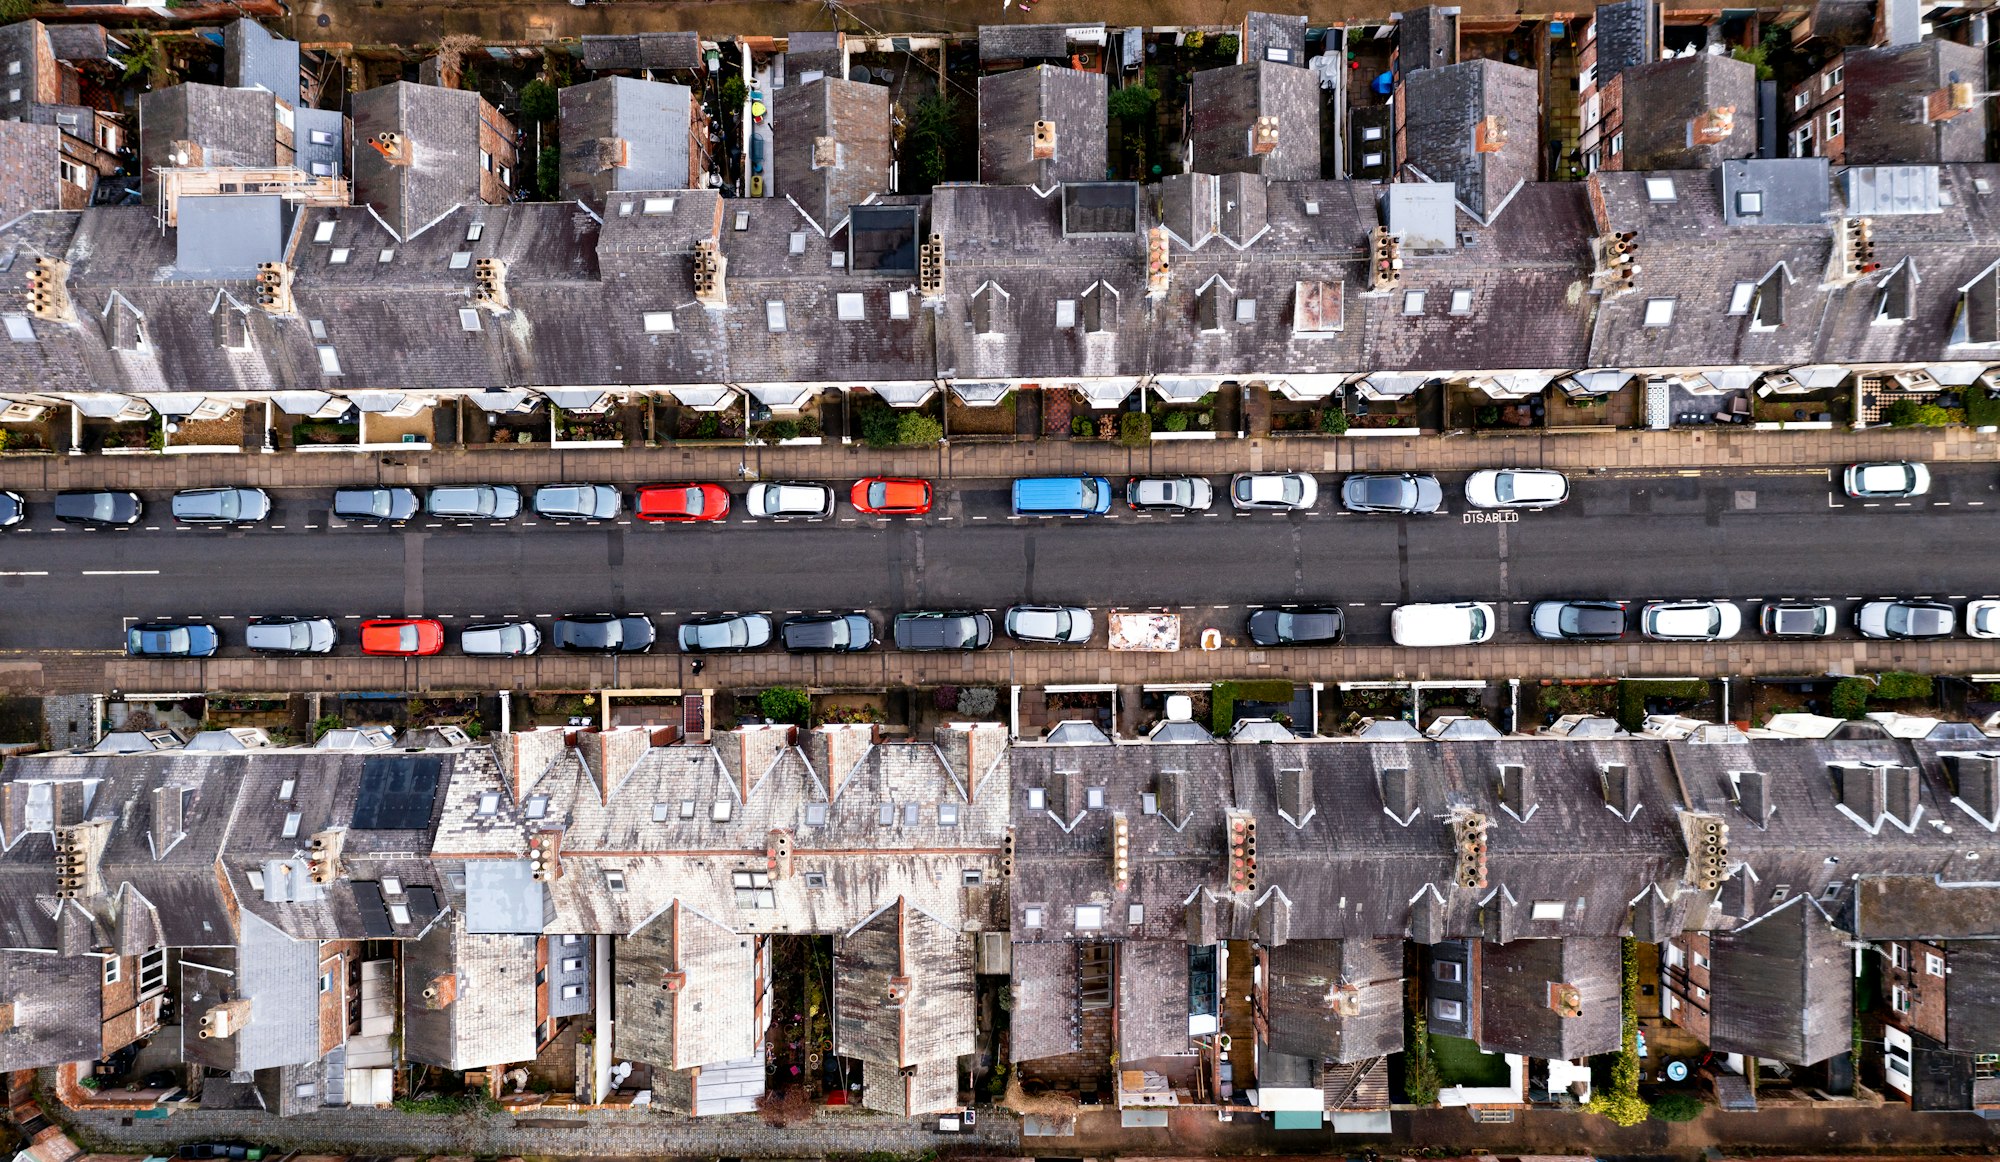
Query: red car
892, 496
402, 637
683, 502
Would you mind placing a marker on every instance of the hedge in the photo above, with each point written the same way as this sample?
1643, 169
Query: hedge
1982, 410
1902, 684
1849, 698
1620, 1101
1632, 695
1421, 1080
1135, 429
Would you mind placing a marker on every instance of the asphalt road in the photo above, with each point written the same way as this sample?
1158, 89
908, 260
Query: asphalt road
1746, 537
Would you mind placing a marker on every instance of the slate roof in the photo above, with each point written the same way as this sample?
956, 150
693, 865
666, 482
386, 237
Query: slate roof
686, 992
1448, 114
56, 1009
1426, 38
441, 128
1224, 110
619, 133
856, 117
477, 1019
1002, 42
1011, 103
903, 1002
234, 127
1152, 974
1335, 1000
277, 976
1783, 986
1266, 31
1972, 995
29, 177
1672, 109
1047, 994
253, 58
1623, 38
1886, 93
643, 50
1517, 1011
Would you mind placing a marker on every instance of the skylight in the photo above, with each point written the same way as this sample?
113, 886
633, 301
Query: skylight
1065, 312
468, 319
1413, 302
848, 304
899, 304
1661, 190
1461, 302
339, 255
324, 231
19, 329
659, 321
774, 315
460, 259
1659, 312
1739, 299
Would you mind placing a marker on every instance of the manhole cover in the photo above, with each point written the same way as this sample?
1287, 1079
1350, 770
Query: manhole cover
1746, 499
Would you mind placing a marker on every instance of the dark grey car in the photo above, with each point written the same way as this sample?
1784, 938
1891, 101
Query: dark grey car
13, 506
375, 505
939, 629
222, 506
827, 633
103, 507
1311, 625
1403, 492
602, 633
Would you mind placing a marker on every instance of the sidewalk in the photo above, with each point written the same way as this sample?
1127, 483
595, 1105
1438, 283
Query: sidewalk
1580, 452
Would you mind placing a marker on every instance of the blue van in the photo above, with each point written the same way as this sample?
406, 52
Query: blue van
1062, 496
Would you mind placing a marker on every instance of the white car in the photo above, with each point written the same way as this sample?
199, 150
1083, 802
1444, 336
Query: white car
1516, 488
1690, 621
1273, 491
500, 639
1982, 619
790, 498
1458, 623
1886, 481
1060, 625
1905, 619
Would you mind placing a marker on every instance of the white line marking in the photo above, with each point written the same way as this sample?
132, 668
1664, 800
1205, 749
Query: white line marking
27, 573
121, 572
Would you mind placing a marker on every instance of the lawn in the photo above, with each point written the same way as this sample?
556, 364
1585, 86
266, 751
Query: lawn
1461, 1063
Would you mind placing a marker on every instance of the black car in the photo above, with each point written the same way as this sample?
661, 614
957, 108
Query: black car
107, 508
1578, 621
1406, 492
602, 633
375, 505
1309, 625
938, 629
827, 633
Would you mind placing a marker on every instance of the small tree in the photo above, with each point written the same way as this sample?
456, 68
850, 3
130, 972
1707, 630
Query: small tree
734, 93
785, 704
548, 171
1849, 698
538, 100
1333, 421
1132, 102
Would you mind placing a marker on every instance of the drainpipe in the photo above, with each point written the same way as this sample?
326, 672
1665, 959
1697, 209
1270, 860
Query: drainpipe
506, 711
267, 428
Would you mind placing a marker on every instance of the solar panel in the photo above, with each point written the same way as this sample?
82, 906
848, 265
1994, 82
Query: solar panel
423, 903
374, 913
883, 237
396, 792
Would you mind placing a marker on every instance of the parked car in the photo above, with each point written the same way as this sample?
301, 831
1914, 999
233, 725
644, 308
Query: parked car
790, 499
681, 503
1690, 621
103, 507
1307, 625
1062, 496
1578, 621
578, 502
1516, 488
1401, 492
500, 639
1905, 619
291, 635
13, 506
221, 506
474, 502
1169, 493
1797, 619
1056, 625
1457, 623
402, 637
940, 629
220, 1152
1889, 481
375, 505
891, 496
171, 639
827, 633
725, 633
602, 633
1982, 619
1273, 491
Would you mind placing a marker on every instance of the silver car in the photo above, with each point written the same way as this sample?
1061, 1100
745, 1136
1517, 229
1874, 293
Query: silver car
474, 502
725, 633
578, 502
291, 635
221, 506
1172, 493
1905, 619
790, 498
1058, 625
500, 639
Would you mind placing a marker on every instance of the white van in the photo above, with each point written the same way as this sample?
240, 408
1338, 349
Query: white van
1459, 623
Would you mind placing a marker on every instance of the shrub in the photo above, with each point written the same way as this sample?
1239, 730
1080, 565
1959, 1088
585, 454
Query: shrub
1849, 698
1174, 422
1908, 413
1486, 416
811, 426
777, 430
325, 723
1902, 684
1620, 1101
538, 100
1133, 102
1083, 428
1632, 697
785, 704
1421, 1080
548, 172
1982, 409
1135, 429
1222, 708
1194, 40
884, 427
1226, 44
1754, 55
945, 697
1677, 1106
978, 701
1333, 421
734, 93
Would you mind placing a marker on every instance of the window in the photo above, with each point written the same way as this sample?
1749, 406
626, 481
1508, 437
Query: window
837, 259
72, 173
572, 938
324, 231
815, 879
798, 242
687, 808
338, 256
658, 206
474, 230
461, 259
1246, 310
1135, 915
1830, 892
325, 982
1370, 160
538, 806
614, 879
1447, 970
660, 812
899, 304
291, 825
1933, 964
1038, 799
322, 169
1149, 803
1065, 312
719, 813
1657, 189
1617, 143
1093, 798
886, 816
849, 307
1833, 77
947, 814
572, 964
387, 254
468, 319
1700, 960
320, 137
392, 885
1899, 999
1588, 77
1031, 917
1801, 99
742, 219
1461, 302
774, 316
815, 815
1739, 299
1802, 141
1749, 202
1833, 123
970, 877
152, 970
1547, 910
910, 814
1659, 313
572, 991
1089, 916
111, 972
489, 803
13, 68
753, 889
1899, 956
1781, 892
1446, 1010
1413, 302
285, 790
659, 322
19, 329
399, 913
